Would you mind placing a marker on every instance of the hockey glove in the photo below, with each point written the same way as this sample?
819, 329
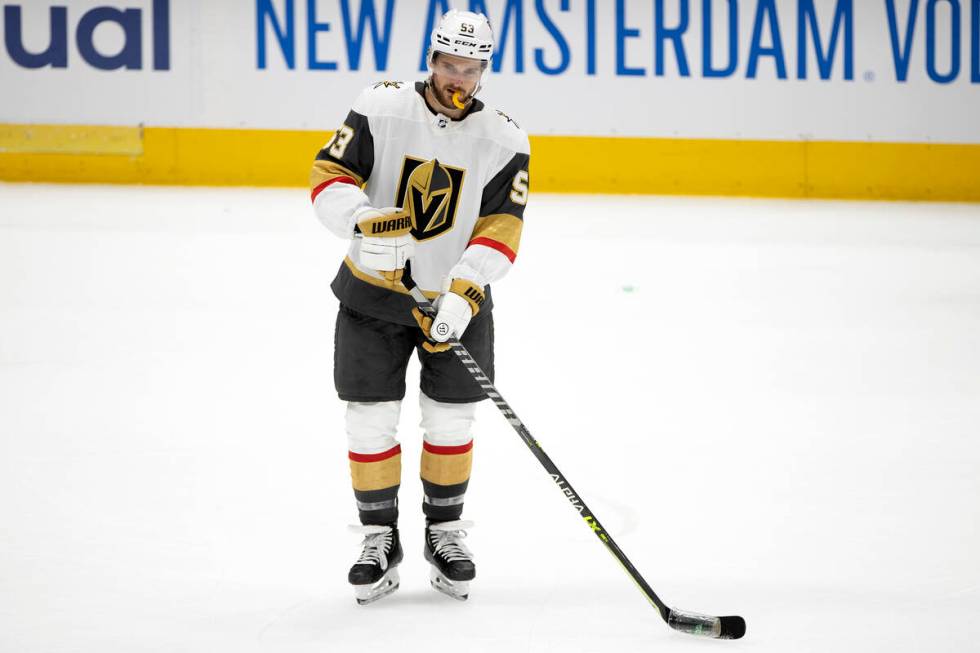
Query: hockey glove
386, 241
425, 323
457, 306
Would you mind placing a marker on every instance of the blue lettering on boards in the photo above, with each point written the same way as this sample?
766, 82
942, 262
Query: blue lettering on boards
314, 27
707, 67
623, 33
901, 52
954, 62
673, 34
807, 17
161, 34
766, 12
55, 55
380, 40
285, 34
590, 38
975, 41
563, 51
131, 54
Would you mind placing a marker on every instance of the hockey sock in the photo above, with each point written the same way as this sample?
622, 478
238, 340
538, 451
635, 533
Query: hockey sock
445, 475
376, 478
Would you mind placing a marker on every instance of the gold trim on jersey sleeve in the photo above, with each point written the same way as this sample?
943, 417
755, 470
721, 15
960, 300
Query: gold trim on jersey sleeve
500, 227
324, 171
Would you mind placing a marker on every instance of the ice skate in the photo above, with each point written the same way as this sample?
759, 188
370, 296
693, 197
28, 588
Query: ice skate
375, 574
452, 563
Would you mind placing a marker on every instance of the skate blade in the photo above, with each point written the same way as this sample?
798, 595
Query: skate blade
370, 593
457, 589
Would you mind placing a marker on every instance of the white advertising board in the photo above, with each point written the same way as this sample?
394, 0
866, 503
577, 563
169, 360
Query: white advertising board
854, 70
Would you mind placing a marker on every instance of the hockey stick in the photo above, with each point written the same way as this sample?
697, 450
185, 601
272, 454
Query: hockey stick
731, 627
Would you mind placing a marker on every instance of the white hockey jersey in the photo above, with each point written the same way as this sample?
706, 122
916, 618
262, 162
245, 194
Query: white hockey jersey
464, 182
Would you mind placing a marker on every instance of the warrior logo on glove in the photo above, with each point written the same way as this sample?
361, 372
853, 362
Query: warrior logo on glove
429, 192
393, 225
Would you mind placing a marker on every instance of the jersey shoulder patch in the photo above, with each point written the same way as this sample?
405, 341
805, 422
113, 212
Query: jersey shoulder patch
507, 118
388, 84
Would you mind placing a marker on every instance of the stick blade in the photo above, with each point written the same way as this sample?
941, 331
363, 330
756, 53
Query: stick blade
732, 627
702, 625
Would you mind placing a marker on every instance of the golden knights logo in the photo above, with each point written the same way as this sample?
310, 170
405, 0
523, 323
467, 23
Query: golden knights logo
429, 191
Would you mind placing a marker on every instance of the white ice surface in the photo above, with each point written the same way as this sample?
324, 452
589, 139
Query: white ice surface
774, 407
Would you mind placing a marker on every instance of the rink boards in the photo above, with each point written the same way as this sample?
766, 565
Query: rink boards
784, 98
187, 156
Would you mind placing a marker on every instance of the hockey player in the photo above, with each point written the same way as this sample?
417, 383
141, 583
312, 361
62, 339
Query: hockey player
426, 172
